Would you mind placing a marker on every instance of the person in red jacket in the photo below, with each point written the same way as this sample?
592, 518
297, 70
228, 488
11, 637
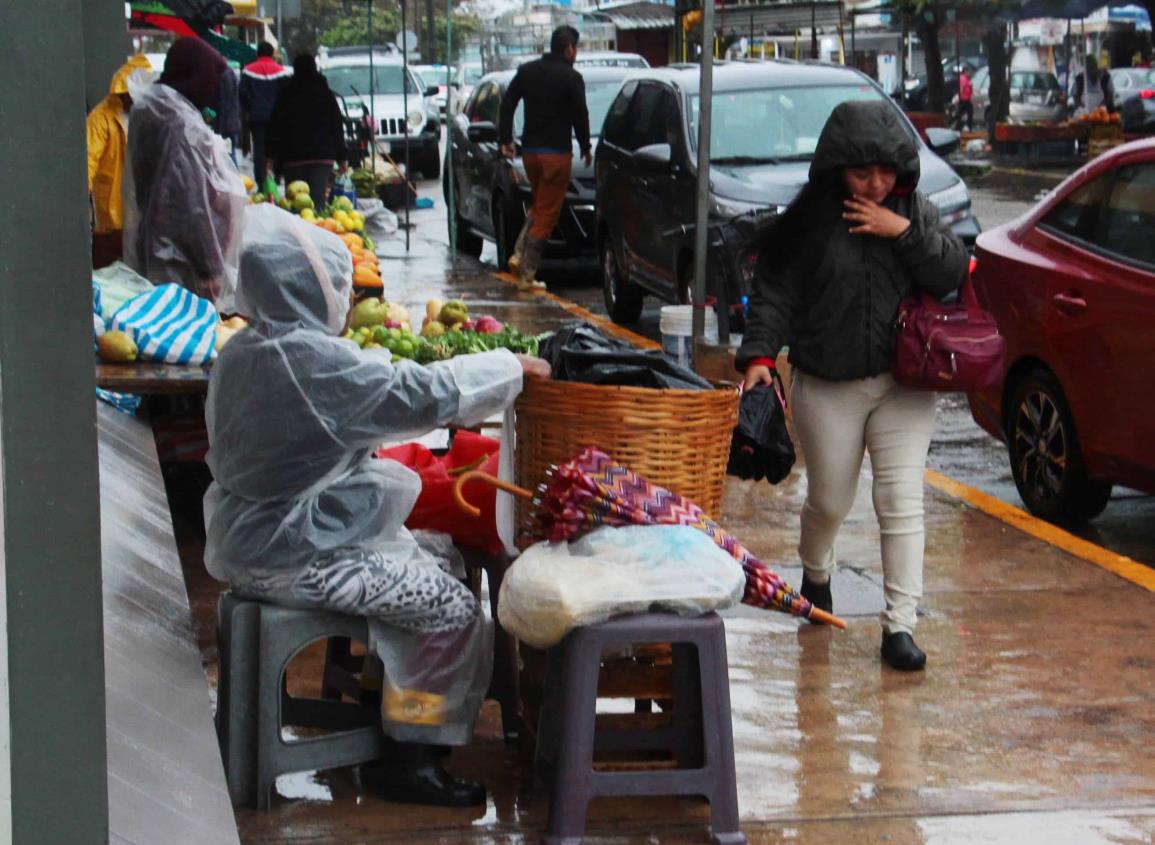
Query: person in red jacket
261, 84
966, 95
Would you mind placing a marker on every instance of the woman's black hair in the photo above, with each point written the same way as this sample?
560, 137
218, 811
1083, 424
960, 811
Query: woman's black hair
781, 244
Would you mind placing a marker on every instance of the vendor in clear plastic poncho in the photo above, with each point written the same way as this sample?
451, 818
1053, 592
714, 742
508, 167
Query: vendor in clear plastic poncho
184, 200
302, 514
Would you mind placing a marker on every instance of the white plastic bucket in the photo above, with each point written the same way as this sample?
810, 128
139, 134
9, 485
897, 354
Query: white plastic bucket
677, 332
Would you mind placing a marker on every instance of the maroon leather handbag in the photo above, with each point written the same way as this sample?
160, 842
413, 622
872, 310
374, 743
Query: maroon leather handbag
949, 347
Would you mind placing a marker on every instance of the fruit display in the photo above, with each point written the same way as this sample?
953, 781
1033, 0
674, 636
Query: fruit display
339, 217
227, 328
116, 347
447, 331
1098, 115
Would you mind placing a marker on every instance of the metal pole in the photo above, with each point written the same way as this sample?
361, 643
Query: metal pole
450, 182
701, 232
813, 32
280, 30
372, 93
405, 108
854, 40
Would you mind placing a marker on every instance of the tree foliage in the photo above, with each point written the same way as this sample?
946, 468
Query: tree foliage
345, 23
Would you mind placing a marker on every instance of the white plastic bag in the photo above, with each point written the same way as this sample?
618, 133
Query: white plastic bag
556, 587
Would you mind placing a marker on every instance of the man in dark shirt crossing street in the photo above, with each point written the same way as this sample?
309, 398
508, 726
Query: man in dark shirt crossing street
555, 111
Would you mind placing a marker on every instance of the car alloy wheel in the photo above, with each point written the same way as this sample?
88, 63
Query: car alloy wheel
1042, 445
1046, 458
624, 300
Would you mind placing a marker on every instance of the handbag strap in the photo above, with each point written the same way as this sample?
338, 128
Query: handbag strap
967, 297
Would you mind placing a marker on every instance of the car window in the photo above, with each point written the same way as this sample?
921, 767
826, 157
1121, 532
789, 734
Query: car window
775, 122
1078, 215
616, 128
1127, 227
353, 80
980, 80
643, 129
486, 105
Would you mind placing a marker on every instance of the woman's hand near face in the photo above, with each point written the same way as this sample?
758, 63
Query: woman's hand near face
873, 219
755, 375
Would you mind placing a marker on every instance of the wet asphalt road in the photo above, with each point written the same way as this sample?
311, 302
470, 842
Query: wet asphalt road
961, 449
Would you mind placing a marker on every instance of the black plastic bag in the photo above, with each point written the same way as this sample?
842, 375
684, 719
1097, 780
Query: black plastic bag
581, 352
762, 447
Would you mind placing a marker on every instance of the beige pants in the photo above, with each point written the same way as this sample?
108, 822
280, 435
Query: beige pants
836, 423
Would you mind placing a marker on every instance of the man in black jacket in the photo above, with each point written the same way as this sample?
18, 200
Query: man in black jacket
261, 83
555, 110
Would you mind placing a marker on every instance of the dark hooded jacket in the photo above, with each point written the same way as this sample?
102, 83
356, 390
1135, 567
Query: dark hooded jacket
832, 296
306, 124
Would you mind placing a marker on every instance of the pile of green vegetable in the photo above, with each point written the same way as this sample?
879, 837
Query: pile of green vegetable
402, 343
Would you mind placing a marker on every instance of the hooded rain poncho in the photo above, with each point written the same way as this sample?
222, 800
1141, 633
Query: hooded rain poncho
183, 197
301, 513
107, 128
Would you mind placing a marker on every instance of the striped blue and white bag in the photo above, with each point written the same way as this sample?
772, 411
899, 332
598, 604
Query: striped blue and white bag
169, 324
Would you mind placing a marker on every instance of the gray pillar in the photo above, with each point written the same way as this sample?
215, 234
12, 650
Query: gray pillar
47, 432
106, 45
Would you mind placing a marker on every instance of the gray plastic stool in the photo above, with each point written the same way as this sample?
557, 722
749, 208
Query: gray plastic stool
700, 735
256, 641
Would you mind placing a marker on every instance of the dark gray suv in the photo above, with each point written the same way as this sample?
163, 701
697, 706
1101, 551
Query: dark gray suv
766, 120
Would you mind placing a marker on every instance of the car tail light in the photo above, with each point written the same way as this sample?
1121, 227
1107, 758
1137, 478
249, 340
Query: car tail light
1147, 93
972, 267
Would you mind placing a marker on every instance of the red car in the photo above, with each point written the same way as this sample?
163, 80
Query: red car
1072, 285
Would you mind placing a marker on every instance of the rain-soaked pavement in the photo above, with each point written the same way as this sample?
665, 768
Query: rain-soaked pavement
1032, 723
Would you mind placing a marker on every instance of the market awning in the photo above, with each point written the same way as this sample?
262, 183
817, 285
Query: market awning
630, 16
784, 18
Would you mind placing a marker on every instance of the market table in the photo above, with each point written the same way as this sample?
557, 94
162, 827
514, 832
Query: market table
149, 379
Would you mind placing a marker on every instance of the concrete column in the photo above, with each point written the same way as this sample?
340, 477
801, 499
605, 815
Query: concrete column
106, 45
51, 540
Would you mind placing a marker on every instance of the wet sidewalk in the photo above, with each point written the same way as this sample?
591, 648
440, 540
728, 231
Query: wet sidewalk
1032, 722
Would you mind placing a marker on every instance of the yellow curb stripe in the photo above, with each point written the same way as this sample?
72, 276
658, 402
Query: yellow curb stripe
608, 326
1122, 566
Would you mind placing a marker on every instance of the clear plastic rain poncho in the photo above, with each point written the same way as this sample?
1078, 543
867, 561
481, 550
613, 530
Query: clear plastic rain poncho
184, 201
301, 513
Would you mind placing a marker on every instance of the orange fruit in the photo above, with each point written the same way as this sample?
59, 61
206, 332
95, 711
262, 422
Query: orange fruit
366, 277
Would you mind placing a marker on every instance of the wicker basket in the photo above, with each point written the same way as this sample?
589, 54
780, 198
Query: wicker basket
679, 439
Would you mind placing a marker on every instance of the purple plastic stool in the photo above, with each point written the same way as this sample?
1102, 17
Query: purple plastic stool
699, 736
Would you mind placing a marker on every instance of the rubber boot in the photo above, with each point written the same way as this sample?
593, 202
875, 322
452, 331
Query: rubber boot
413, 774
530, 260
519, 248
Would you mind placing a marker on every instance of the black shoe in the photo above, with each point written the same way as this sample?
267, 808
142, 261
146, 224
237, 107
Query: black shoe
818, 595
431, 786
900, 652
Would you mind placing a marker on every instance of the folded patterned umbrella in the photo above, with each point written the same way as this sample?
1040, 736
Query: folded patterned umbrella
591, 490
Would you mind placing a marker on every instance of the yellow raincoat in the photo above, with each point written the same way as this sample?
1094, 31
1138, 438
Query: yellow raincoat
107, 141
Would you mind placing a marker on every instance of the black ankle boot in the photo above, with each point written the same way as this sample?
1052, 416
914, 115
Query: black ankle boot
818, 595
415, 776
900, 652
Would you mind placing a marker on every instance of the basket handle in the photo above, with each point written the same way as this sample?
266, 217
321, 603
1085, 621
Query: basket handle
476, 475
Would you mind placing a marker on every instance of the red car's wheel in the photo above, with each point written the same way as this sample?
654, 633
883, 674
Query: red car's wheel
1046, 461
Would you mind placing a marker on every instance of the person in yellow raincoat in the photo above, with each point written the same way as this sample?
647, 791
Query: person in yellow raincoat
107, 141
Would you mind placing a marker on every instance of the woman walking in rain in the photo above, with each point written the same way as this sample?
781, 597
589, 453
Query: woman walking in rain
302, 514
857, 240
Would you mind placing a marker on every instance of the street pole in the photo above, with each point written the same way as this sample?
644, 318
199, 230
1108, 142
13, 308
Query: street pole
372, 92
701, 233
405, 108
451, 187
280, 25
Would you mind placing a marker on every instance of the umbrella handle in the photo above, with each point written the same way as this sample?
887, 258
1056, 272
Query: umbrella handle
817, 614
475, 475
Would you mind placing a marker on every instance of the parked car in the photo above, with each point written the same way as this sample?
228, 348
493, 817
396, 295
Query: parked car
349, 77
493, 193
436, 76
1135, 98
461, 88
1072, 286
767, 117
1035, 96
